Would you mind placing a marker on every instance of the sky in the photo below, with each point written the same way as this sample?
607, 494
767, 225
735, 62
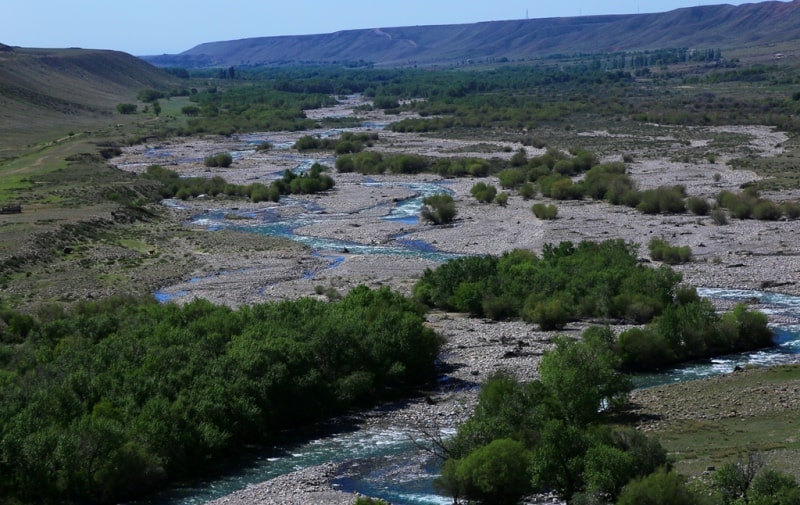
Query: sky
149, 27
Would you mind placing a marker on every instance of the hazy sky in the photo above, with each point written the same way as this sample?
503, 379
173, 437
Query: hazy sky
143, 27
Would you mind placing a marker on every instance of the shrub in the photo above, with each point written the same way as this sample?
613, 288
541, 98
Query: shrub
766, 210
363, 500
657, 488
126, 108
528, 191
191, 110
543, 211
565, 189
511, 178
501, 199
642, 349
773, 487
519, 159
549, 315
698, 205
791, 209
223, 160
663, 200
719, 216
661, 250
438, 209
484, 193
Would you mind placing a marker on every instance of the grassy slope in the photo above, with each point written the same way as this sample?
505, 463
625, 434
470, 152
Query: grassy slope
56, 106
709, 422
48, 93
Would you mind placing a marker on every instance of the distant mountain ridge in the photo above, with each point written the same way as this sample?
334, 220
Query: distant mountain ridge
707, 26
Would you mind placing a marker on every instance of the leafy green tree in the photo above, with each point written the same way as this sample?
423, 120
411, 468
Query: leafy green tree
771, 487
732, 481
495, 474
583, 375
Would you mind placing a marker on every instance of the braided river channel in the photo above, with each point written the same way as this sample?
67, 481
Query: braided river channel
385, 462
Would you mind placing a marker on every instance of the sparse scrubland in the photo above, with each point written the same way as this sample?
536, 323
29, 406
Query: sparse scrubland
104, 396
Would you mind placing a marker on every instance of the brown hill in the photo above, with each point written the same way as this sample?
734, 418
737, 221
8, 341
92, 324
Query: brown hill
722, 26
46, 89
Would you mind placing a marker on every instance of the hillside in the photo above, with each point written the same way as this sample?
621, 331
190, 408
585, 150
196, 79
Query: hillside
723, 26
46, 89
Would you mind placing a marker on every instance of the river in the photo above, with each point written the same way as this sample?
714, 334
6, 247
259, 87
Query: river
384, 462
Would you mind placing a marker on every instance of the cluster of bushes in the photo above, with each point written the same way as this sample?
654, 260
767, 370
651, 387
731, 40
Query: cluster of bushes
550, 434
595, 280
748, 204
111, 399
487, 193
223, 160
346, 143
661, 250
690, 329
372, 163
590, 280
174, 186
254, 107
484, 193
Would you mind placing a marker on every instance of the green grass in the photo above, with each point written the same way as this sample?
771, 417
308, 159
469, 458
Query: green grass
711, 422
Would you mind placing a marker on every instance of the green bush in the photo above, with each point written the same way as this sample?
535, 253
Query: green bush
519, 159
548, 314
698, 205
438, 209
719, 216
132, 393
528, 191
791, 209
662, 487
501, 199
126, 108
663, 200
190, 110
661, 250
512, 178
771, 487
484, 193
544, 211
223, 160
644, 349
363, 500
766, 210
